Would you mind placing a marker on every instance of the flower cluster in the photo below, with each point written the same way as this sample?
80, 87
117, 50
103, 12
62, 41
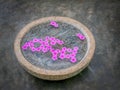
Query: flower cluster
47, 44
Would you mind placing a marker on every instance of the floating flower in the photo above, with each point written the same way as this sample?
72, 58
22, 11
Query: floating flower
67, 56
69, 50
54, 58
44, 50
60, 42
24, 47
47, 45
47, 38
38, 49
53, 43
54, 24
76, 48
73, 60
81, 37
62, 56
64, 48
33, 49
35, 40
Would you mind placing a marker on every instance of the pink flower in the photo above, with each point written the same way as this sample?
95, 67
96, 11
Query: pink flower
54, 58
59, 41
47, 44
54, 24
81, 37
38, 49
76, 48
62, 56
44, 50
51, 49
64, 48
73, 55
62, 52
53, 43
31, 44
33, 49
52, 38
69, 50
40, 40
41, 46
24, 47
73, 60
47, 38
58, 50
35, 40
54, 52
67, 56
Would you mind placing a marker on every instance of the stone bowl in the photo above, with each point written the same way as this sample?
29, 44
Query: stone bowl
40, 64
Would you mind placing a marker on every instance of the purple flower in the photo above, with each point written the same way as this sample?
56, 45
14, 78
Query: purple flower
54, 58
73, 60
69, 50
81, 37
54, 24
62, 56
24, 47
33, 49
67, 56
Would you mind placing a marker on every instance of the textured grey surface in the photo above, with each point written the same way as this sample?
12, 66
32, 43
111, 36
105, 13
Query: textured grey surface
101, 17
66, 33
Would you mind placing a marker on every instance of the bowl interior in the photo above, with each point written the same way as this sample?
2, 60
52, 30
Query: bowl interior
66, 33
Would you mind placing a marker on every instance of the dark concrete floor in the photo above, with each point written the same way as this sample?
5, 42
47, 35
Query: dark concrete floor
101, 17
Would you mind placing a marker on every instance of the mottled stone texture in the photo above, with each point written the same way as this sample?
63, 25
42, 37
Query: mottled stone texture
66, 33
101, 17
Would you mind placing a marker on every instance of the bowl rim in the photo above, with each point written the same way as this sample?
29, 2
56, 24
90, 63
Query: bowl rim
55, 74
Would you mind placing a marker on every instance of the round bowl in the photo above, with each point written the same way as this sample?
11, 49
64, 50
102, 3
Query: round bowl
55, 74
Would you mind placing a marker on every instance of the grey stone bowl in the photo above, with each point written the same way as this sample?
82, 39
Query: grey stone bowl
41, 65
